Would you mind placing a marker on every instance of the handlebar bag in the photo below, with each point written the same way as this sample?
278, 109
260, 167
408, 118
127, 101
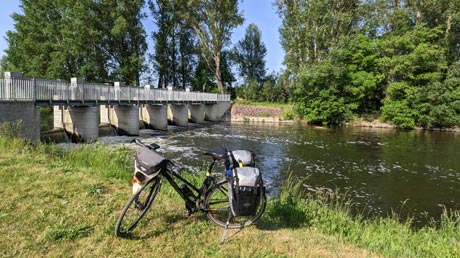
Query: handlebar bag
148, 163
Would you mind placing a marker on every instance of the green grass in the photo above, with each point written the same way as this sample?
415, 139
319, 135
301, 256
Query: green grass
285, 106
389, 237
65, 203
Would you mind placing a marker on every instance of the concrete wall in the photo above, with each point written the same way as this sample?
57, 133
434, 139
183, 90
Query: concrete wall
82, 122
178, 114
26, 112
155, 116
104, 114
216, 111
196, 113
211, 112
125, 119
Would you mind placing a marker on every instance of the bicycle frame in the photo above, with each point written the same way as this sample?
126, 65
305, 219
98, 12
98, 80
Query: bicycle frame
212, 197
198, 193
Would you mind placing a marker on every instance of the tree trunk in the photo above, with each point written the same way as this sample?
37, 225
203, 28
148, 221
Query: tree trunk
448, 25
220, 85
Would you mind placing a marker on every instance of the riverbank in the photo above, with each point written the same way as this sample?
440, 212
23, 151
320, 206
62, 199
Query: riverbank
283, 113
65, 202
259, 113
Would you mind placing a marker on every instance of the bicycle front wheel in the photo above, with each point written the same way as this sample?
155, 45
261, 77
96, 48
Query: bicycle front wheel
217, 207
136, 207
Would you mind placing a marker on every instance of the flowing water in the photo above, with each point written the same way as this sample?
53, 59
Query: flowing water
415, 173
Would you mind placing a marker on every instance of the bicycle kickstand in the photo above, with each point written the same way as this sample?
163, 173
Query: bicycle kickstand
225, 228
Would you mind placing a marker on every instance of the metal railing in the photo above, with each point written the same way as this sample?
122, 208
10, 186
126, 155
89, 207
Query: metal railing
57, 90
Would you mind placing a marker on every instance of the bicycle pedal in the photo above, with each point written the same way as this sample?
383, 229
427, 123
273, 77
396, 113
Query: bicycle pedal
139, 206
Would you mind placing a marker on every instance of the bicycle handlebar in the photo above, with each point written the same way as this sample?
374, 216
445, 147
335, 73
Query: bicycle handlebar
152, 146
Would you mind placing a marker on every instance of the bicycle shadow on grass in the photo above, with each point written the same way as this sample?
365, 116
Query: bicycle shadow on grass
149, 231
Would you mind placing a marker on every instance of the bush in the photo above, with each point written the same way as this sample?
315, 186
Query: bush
11, 129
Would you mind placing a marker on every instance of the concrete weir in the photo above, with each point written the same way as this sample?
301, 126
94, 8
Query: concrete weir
81, 107
82, 122
196, 113
154, 116
211, 112
178, 114
125, 118
216, 111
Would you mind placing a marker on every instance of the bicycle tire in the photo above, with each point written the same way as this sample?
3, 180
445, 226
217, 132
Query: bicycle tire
218, 207
136, 207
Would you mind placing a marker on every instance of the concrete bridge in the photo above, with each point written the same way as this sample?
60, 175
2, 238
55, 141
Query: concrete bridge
80, 107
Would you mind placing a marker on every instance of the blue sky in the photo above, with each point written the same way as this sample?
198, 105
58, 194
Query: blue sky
260, 12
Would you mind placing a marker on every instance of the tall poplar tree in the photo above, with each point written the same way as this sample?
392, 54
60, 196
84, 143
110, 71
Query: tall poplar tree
249, 54
124, 38
175, 51
213, 22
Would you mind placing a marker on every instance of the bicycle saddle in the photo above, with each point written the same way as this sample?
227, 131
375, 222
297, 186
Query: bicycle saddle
218, 154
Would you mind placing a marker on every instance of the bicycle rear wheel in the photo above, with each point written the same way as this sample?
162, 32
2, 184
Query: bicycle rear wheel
136, 207
218, 207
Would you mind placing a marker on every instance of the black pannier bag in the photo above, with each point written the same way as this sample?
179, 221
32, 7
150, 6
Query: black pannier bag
147, 164
246, 184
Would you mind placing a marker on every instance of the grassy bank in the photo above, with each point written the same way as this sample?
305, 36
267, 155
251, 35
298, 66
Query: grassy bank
65, 202
285, 106
263, 110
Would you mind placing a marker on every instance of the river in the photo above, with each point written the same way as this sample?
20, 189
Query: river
413, 173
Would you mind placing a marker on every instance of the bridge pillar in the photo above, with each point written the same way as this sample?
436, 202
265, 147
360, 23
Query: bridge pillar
104, 114
82, 122
216, 111
211, 112
196, 113
25, 111
155, 116
125, 119
178, 114
58, 117
222, 108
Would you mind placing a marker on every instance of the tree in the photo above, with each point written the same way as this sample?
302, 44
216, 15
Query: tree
213, 21
249, 54
175, 51
99, 40
204, 79
162, 15
123, 38
311, 28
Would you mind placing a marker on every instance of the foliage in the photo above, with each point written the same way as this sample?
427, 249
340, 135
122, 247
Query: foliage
249, 54
271, 90
329, 213
175, 45
99, 40
213, 22
362, 57
204, 79
11, 129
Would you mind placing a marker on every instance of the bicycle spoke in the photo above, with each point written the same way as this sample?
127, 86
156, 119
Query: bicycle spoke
217, 207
